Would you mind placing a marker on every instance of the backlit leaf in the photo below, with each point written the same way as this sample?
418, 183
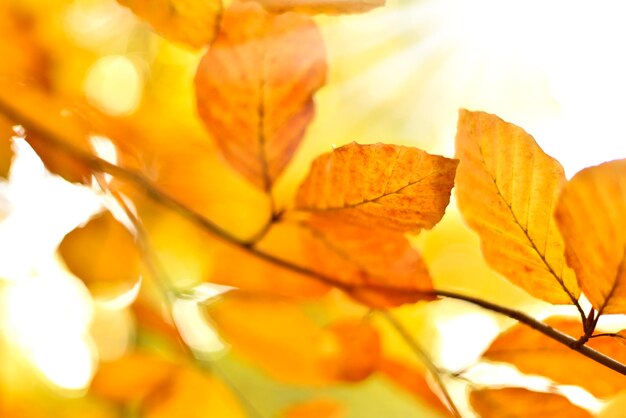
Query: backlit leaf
255, 87
287, 343
591, 214
534, 353
103, 254
506, 189
523, 403
192, 22
192, 394
414, 381
317, 408
331, 7
131, 377
376, 266
6, 153
382, 185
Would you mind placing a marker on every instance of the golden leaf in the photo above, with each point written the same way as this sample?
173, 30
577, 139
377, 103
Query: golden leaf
384, 185
534, 353
316, 408
131, 377
103, 254
192, 22
287, 343
506, 189
523, 403
591, 214
414, 381
331, 7
192, 394
255, 86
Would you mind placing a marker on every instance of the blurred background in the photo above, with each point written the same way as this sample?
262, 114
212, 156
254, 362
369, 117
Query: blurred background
397, 74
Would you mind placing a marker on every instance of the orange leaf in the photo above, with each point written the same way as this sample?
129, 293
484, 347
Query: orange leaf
317, 408
283, 340
255, 87
103, 254
523, 403
192, 394
506, 188
413, 380
192, 22
534, 353
6, 152
374, 265
331, 7
131, 377
591, 216
384, 185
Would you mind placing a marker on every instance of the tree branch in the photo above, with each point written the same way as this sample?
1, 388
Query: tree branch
144, 184
424, 357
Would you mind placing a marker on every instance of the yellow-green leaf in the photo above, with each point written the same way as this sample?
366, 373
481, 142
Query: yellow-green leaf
591, 214
506, 188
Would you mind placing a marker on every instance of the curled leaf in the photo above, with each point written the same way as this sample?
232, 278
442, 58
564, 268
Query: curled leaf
255, 88
380, 185
506, 189
534, 353
522, 403
591, 214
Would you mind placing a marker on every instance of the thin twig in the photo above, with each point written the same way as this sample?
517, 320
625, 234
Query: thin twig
424, 358
145, 185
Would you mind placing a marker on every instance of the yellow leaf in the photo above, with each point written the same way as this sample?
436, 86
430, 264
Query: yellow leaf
534, 353
316, 408
255, 86
6, 153
192, 22
131, 377
283, 340
591, 214
384, 185
523, 403
331, 7
414, 381
103, 254
192, 394
506, 189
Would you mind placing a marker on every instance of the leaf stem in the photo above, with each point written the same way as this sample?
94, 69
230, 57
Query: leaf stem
145, 185
423, 356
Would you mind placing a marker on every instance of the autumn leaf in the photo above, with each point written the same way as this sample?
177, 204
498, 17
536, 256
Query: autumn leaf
383, 185
522, 403
506, 189
255, 86
192, 394
131, 377
331, 7
534, 353
192, 22
591, 217
376, 266
414, 381
103, 254
287, 343
6, 152
316, 408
